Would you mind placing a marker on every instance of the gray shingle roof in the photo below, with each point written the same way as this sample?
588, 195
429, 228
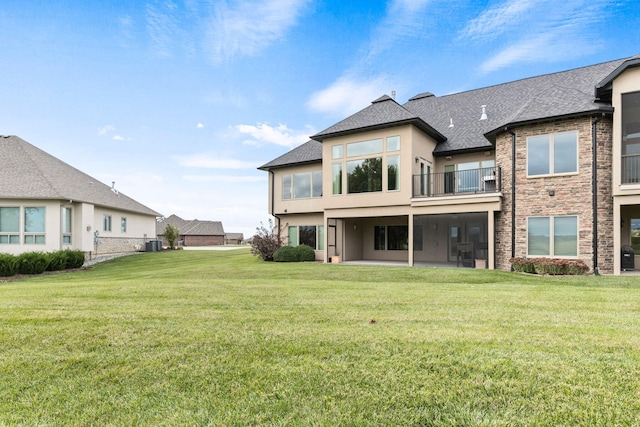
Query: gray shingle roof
30, 173
191, 227
537, 98
383, 112
564, 94
309, 152
203, 228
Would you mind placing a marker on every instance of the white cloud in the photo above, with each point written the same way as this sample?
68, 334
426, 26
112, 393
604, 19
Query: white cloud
163, 26
495, 21
118, 138
280, 135
199, 126
210, 162
103, 130
532, 31
404, 18
242, 28
348, 95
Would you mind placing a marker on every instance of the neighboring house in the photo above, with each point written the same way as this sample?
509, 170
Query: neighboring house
47, 205
547, 166
192, 232
234, 238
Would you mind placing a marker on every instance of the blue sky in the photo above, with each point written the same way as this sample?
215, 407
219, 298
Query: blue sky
179, 101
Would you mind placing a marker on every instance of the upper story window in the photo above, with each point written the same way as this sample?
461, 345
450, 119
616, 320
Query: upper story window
10, 225
302, 185
34, 220
631, 137
123, 224
393, 143
337, 152
365, 174
364, 148
552, 154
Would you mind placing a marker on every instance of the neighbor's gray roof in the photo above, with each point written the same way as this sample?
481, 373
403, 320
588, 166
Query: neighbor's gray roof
203, 228
191, 227
309, 152
173, 220
382, 113
26, 172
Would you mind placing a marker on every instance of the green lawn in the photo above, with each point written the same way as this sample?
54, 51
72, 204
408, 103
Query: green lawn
220, 338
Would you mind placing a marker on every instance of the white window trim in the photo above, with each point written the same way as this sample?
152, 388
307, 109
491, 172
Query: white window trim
552, 237
551, 157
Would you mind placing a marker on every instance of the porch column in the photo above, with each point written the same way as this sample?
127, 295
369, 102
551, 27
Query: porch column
616, 236
410, 239
491, 237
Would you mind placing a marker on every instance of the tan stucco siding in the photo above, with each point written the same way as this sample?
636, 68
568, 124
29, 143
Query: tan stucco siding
302, 205
627, 82
413, 143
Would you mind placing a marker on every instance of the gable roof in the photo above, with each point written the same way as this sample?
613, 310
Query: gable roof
454, 120
604, 88
382, 113
556, 95
30, 173
309, 152
203, 228
190, 227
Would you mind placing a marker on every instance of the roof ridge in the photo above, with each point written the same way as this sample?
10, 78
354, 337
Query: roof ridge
621, 60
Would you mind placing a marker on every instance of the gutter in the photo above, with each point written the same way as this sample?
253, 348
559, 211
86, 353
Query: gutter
273, 202
513, 192
594, 190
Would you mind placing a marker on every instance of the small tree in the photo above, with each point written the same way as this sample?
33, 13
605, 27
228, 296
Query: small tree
171, 233
266, 241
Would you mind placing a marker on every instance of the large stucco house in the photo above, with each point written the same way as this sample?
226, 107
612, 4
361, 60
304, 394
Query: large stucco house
547, 166
47, 205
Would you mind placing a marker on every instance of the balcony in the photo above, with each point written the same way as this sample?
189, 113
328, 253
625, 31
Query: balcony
631, 169
462, 183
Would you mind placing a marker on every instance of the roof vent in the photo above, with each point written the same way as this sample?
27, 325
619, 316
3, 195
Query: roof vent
484, 113
421, 96
450, 122
113, 187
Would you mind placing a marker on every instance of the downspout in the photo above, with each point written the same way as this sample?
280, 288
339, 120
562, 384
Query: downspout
273, 202
594, 190
513, 193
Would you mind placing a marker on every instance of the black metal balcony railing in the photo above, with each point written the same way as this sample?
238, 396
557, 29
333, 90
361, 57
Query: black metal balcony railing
472, 181
630, 168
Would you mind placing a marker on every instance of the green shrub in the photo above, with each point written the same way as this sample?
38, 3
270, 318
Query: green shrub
57, 261
285, 254
305, 253
550, 266
522, 265
8, 265
32, 263
75, 258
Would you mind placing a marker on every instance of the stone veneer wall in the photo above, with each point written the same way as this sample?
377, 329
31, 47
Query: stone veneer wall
573, 193
110, 245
